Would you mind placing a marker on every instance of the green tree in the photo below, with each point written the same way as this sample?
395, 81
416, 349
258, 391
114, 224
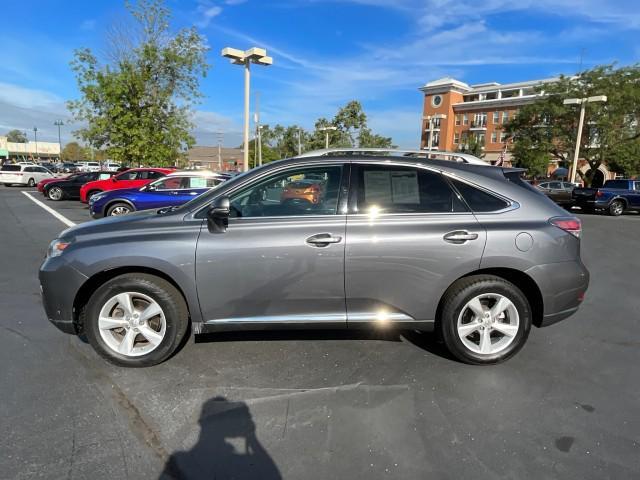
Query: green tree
472, 145
72, 151
16, 136
138, 106
611, 134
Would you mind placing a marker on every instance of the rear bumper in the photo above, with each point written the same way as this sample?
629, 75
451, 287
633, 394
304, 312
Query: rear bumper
563, 286
590, 203
59, 284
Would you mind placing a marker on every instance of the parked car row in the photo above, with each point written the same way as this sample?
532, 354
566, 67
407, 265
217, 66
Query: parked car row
614, 197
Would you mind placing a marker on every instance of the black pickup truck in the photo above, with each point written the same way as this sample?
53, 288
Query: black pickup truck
614, 197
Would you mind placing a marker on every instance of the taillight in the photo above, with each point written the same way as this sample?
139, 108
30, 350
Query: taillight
571, 225
599, 193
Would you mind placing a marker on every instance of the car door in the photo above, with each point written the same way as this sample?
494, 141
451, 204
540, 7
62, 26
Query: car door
408, 232
72, 187
280, 260
165, 192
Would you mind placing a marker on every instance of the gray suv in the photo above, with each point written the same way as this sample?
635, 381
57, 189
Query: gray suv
469, 251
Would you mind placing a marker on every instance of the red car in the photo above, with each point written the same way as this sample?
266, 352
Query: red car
132, 178
42, 183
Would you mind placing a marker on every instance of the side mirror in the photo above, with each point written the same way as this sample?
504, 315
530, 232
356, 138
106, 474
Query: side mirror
114, 179
218, 215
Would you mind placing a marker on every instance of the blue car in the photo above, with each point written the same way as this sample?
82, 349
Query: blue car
172, 190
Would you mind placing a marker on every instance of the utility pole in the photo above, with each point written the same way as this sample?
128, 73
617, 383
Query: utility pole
260, 145
299, 141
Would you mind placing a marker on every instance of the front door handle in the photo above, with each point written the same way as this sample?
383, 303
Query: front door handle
323, 240
459, 236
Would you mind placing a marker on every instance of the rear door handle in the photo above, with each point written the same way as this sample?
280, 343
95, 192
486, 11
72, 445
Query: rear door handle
323, 240
459, 236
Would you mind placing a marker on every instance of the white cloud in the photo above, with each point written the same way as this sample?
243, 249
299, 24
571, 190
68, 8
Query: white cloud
207, 12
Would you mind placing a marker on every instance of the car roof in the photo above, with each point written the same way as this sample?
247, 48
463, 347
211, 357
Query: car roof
197, 173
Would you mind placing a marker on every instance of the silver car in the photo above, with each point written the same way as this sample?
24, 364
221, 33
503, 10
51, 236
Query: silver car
470, 251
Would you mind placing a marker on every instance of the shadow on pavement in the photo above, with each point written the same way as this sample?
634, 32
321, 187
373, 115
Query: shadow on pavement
226, 449
427, 341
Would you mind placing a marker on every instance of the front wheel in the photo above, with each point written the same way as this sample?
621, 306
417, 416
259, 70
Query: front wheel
55, 193
485, 319
616, 208
136, 320
118, 209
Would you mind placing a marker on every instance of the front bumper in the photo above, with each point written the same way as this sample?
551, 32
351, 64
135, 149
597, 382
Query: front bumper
563, 286
59, 284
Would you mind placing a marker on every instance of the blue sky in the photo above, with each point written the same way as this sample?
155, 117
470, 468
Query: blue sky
326, 52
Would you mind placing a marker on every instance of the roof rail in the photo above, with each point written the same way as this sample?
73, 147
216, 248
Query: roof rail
435, 154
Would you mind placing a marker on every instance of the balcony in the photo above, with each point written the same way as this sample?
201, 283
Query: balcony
478, 125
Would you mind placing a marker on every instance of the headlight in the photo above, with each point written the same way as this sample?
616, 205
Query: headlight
96, 197
57, 247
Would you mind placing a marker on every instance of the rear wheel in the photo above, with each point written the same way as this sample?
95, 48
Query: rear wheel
31, 182
136, 320
55, 193
118, 209
485, 319
616, 208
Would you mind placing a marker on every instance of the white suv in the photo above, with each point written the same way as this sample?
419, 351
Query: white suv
89, 166
16, 174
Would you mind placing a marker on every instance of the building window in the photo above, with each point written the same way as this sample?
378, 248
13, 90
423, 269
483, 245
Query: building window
458, 119
496, 117
436, 100
503, 137
505, 116
436, 140
465, 119
480, 119
480, 138
456, 138
494, 137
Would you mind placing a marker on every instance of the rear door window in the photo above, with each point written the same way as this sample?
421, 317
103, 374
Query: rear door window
479, 200
397, 189
10, 168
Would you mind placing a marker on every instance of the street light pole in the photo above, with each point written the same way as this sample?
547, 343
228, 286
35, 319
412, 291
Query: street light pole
246, 58
35, 135
59, 123
326, 134
219, 151
299, 141
582, 102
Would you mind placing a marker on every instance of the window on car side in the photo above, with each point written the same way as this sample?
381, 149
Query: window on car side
479, 200
556, 185
132, 175
391, 189
150, 174
299, 191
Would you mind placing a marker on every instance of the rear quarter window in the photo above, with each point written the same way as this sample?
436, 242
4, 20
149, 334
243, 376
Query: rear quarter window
10, 168
621, 184
479, 200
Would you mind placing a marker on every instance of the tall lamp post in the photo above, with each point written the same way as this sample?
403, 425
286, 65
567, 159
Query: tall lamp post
35, 136
246, 58
582, 102
326, 131
59, 123
430, 119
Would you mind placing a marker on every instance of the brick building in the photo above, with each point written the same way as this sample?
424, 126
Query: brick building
480, 110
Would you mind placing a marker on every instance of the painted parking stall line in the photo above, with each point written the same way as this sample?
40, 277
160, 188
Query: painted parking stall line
59, 216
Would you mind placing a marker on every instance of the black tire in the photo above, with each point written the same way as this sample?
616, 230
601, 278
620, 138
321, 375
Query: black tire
455, 300
616, 208
164, 293
55, 194
31, 183
114, 206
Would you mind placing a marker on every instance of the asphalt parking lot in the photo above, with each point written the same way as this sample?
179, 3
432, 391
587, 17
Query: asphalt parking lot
319, 405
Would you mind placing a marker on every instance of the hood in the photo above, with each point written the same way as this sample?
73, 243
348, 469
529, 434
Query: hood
115, 224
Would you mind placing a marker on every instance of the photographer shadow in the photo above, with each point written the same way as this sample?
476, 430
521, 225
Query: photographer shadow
226, 449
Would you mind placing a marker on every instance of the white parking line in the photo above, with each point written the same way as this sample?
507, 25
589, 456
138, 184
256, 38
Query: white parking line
60, 217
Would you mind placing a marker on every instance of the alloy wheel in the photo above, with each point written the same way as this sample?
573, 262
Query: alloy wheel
120, 210
488, 323
55, 193
132, 324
